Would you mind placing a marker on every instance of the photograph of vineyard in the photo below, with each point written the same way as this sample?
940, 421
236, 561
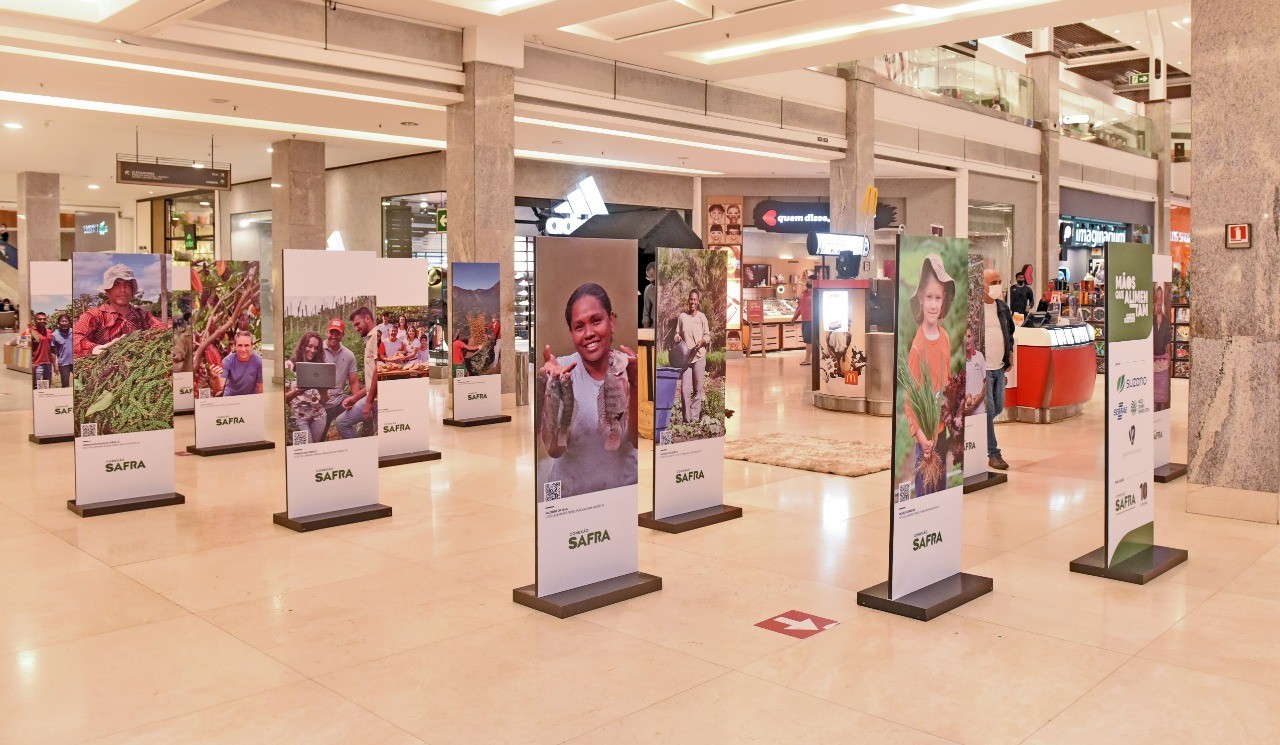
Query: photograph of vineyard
697, 411
227, 299
122, 384
310, 313
413, 324
475, 299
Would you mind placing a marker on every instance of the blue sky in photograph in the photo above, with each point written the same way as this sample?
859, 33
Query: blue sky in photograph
475, 276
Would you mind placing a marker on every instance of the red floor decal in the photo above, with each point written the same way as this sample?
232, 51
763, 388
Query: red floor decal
797, 624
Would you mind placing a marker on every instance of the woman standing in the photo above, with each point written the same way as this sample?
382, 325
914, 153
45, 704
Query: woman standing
595, 448
694, 330
306, 405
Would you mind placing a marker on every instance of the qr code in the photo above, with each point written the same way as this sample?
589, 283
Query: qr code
301, 437
89, 429
42, 385
904, 492
550, 491
206, 393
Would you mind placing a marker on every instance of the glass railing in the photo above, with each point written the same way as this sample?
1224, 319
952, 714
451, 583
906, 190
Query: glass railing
1088, 119
953, 75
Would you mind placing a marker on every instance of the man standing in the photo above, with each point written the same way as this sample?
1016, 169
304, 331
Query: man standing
804, 311
41, 357
98, 328
1021, 297
62, 347
1000, 353
241, 373
694, 331
360, 405
650, 298
345, 374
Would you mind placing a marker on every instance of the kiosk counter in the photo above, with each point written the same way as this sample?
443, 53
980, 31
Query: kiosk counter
1055, 374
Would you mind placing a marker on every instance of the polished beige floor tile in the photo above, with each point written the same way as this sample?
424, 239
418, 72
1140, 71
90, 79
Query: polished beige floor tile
531, 680
42, 555
1230, 635
257, 569
302, 714
755, 528
1042, 596
13, 525
103, 684
132, 537
37, 609
321, 629
964, 680
1147, 701
456, 529
714, 712
1261, 579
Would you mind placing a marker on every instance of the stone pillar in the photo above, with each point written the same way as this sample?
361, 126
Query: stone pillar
480, 177
297, 219
39, 239
1233, 451
853, 174
1044, 69
1161, 116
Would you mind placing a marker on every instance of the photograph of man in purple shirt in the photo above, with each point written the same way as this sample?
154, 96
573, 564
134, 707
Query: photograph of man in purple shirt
241, 373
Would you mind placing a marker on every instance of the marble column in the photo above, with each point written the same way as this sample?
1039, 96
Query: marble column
39, 237
1044, 69
480, 177
853, 174
1161, 115
297, 218
1233, 448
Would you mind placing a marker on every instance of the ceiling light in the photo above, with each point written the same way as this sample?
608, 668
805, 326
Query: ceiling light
843, 32
218, 100
197, 165
1117, 31
1186, 20
12, 125
94, 187
246, 223
557, 142
220, 78
219, 119
667, 140
204, 204
586, 160
271, 149
408, 124
276, 186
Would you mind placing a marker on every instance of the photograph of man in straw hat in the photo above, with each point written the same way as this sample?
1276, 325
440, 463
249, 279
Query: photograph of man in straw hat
125, 309
931, 367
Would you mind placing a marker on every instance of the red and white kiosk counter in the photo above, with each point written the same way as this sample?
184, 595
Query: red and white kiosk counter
1055, 374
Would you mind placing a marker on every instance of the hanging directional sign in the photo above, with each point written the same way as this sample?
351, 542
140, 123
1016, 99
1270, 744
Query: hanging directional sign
167, 172
1139, 78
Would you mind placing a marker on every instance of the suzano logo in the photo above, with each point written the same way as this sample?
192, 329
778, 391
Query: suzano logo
924, 540
587, 537
578, 206
689, 474
389, 428
476, 396
223, 421
125, 465
333, 474
1124, 384
60, 410
1120, 384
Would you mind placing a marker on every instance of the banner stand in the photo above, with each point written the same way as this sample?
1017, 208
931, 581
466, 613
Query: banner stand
588, 597
478, 421
125, 505
406, 458
1170, 472
691, 520
184, 412
333, 519
51, 439
929, 602
981, 481
1138, 569
240, 447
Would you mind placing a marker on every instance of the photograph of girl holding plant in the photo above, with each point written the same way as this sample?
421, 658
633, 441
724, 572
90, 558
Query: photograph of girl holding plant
931, 367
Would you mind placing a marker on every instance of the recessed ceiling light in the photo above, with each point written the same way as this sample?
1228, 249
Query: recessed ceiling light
271, 149
12, 125
219, 100
204, 204
1186, 20
276, 186
408, 124
557, 142
197, 165
1117, 31
95, 187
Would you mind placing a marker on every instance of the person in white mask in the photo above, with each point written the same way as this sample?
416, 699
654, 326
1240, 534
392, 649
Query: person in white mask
1000, 353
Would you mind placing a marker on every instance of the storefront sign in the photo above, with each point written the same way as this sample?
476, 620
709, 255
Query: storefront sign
1240, 236
95, 231
172, 174
773, 216
1077, 233
833, 244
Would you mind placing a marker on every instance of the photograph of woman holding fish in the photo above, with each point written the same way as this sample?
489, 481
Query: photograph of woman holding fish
587, 418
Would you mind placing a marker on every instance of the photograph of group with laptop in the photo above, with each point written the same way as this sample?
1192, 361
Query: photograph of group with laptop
330, 372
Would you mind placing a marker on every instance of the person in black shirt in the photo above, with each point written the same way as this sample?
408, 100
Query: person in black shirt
1021, 297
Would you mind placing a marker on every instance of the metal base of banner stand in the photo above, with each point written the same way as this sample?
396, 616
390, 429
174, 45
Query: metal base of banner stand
323, 520
125, 505
50, 439
980, 481
691, 520
476, 421
239, 447
184, 412
406, 458
928, 603
1138, 569
588, 597
1170, 472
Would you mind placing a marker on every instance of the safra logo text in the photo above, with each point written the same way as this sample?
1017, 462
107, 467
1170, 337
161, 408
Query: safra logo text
125, 465
388, 428
587, 537
476, 396
689, 474
223, 421
330, 474
925, 540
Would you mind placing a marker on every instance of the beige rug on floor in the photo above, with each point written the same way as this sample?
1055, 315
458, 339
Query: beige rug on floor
806, 453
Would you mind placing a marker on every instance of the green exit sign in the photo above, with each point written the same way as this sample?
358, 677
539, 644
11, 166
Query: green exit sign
1139, 78
442, 221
